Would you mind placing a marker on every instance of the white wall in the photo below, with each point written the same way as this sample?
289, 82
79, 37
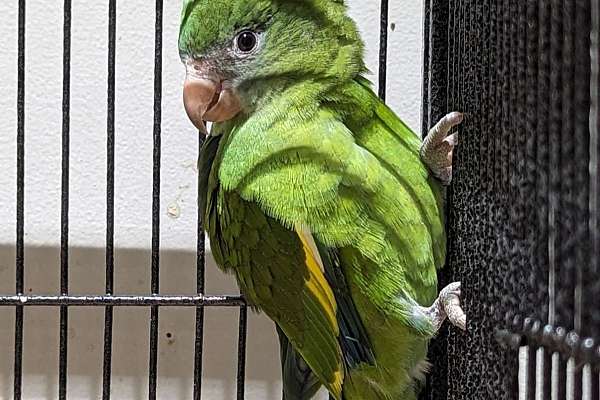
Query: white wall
135, 52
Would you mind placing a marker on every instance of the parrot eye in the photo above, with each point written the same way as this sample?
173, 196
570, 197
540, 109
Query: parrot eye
246, 41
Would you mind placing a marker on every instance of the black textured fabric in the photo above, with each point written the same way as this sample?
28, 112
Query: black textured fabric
523, 206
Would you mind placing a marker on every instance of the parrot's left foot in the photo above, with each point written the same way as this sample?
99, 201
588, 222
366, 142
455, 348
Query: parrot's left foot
438, 147
448, 306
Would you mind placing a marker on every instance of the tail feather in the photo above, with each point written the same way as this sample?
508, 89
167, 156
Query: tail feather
299, 382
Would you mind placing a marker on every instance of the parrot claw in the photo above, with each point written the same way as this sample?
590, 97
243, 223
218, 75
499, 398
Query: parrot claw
450, 298
438, 147
448, 306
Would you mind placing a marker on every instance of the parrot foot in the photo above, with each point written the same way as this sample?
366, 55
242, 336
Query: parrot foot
438, 147
447, 305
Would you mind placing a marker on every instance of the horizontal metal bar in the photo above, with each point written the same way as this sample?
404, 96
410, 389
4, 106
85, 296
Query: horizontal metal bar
130, 301
530, 331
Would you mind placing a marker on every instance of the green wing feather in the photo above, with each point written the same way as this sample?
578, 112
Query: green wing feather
299, 382
278, 273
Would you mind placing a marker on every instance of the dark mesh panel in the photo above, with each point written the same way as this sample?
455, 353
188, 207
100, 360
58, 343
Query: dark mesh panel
522, 209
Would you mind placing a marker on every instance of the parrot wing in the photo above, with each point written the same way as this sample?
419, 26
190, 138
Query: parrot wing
280, 272
299, 381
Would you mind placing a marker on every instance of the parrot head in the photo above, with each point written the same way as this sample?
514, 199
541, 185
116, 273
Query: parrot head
240, 53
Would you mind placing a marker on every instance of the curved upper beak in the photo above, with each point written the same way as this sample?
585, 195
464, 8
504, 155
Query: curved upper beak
206, 100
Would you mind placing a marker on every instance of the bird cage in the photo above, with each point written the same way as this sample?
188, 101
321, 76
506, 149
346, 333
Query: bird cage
523, 210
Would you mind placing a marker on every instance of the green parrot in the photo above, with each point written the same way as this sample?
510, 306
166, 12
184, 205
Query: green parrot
316, 196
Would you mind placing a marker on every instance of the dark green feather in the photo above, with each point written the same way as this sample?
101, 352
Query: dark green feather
299, 382
354, 340
207, 157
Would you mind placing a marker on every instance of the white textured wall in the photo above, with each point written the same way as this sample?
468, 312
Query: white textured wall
135, 52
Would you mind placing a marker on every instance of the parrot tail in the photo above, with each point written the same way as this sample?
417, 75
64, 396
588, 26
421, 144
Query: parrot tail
299, 382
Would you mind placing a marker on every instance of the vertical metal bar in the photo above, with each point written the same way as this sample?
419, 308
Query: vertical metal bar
595, 384
20, 234
583, 248
580, 26
426, 69
488, 58
567, 312
64, 247
505, 87
554, 136
518, 175
578, 382
502, 93
241, 367
110, 198
198, 352
435, 87
572, 378
454, 56
200, 279
62, 362
531, 372
594, 201
383, 48
537, 276
547, 375
545, 281
435, 72
562, 378
153, 360
492, 160
18, 361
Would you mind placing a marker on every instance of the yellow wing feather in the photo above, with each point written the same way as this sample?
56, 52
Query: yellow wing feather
318, 286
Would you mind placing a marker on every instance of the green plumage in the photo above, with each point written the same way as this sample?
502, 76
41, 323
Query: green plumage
316, 155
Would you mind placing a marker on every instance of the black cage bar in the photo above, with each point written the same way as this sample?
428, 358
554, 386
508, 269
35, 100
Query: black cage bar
153, 299
523, 208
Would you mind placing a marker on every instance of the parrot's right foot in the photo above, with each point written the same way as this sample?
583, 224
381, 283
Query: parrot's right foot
438, 147
448, 306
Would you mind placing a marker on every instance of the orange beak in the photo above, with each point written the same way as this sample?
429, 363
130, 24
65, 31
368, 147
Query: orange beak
207, 100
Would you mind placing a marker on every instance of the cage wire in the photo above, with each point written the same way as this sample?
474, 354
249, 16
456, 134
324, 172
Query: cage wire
154, 299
